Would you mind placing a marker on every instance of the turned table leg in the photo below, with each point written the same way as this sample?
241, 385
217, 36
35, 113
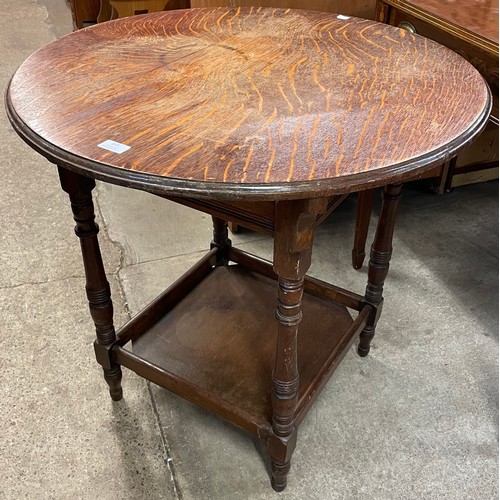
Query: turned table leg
292, 257
378, 267
79, 189
221, 240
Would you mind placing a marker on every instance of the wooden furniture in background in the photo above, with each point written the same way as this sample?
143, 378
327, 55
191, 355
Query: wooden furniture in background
358, 8
471, 30
125, 8
276, 113
84, 12
87, 12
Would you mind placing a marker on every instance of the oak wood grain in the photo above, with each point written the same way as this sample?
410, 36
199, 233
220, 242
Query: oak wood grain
257, 103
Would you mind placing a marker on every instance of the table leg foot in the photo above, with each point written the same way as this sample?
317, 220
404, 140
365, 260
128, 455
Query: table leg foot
365, 340
358, 259
113, 378
280, 450
279, 475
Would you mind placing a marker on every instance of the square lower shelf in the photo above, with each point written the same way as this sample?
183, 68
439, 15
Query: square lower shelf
218, 344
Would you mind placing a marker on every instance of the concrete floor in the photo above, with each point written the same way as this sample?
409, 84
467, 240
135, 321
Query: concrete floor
417, 419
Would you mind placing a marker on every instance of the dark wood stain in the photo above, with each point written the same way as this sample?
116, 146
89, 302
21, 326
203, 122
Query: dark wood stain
221, 345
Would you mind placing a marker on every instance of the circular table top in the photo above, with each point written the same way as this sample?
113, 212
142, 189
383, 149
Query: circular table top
247, 103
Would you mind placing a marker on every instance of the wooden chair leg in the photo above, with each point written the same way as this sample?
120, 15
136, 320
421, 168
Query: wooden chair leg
363, 214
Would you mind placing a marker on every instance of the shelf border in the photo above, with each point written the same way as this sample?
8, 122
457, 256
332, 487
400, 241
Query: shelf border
211, 401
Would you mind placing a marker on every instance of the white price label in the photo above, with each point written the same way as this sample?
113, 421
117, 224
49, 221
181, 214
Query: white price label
113, 146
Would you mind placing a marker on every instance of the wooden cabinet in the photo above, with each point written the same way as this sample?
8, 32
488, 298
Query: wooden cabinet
86, 12
470, 29
358, 8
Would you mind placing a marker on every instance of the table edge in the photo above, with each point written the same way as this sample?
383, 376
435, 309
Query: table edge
160, 185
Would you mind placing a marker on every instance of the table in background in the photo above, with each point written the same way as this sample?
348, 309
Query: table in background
263, 114
471, 30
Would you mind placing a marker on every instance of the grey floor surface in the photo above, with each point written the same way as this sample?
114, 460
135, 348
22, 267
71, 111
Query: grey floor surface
417, 419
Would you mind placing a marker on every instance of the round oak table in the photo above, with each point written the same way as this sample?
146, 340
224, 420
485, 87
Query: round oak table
263, 117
